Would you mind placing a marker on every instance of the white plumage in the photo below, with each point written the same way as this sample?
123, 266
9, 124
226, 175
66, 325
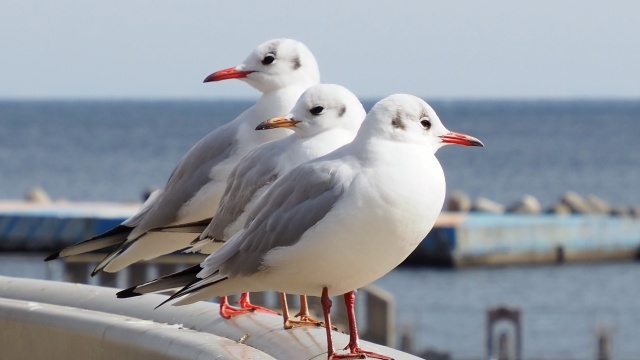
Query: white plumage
281, 69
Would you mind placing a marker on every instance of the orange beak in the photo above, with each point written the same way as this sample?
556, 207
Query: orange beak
277, 122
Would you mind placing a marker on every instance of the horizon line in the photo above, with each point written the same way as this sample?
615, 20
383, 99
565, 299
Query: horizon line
367, 99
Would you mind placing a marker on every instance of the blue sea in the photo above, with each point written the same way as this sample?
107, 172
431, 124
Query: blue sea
114, 150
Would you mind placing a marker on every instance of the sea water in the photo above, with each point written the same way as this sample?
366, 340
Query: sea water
114, 150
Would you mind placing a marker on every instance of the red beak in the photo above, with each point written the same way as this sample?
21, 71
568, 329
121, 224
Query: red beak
230, 73
460, 139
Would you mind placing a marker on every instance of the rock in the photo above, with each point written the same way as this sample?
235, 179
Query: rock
635, 211
621, 211
458, 201
486, 205
576, 203
527, 205
37, 194
597, 205
559, 208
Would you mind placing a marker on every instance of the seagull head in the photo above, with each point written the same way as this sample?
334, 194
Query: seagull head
320, 108
273, 65
408, 118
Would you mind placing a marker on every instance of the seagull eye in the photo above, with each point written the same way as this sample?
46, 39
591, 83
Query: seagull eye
268, 59
425, 123
317, 110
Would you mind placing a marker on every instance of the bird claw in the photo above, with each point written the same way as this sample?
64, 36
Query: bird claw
359, 354
228, 311
305, 320
250, 307
347, 356
334, 328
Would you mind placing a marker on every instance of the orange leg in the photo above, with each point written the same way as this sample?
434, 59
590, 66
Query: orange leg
303, 314
355, 352
326, 309
286, 318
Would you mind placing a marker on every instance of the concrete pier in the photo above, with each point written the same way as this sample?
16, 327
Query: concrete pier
470, 239
26, 226
458, 238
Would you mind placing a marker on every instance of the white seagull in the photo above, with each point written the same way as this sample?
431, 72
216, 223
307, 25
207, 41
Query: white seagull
281, 69
338, 222
325, 117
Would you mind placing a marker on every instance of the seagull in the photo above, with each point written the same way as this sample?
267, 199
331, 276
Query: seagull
281, 69
336, 223
325, 117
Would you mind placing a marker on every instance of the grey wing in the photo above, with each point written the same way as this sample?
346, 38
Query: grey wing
188, 177
254, 171
295, 203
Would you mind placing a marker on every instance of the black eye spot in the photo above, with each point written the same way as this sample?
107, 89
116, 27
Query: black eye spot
296, 63
268, 59
397, 120
343, 110
425, 123
316, 110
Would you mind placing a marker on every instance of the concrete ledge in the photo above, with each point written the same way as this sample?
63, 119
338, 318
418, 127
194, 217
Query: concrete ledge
33, 330
74, 314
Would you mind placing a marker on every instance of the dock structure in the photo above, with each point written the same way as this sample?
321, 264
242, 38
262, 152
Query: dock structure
458, 239
483, 239
48, 319
26, 226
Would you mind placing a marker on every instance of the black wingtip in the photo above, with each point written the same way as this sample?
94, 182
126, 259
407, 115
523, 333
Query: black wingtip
53, 256
162, 303
197, 239
176, 295
127, 293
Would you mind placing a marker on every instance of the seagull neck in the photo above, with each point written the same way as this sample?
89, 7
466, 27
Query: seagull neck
281, 100
393, 153
271, 104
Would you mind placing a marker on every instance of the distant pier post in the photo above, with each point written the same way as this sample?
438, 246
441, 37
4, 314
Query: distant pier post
604, 345
494, 316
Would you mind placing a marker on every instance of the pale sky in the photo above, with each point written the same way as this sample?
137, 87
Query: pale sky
435, 49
